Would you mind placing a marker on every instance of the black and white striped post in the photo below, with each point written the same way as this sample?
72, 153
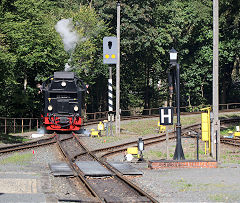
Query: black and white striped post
110, 100
110, 95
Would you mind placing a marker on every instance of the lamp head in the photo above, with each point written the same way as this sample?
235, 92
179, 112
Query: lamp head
173, 56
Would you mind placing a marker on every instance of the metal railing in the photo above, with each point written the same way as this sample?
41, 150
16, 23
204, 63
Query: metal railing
20, 125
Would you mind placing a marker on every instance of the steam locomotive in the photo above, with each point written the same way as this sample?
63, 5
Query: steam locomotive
63, 102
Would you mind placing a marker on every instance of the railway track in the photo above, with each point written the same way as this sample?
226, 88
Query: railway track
231, 141
74, 151
122, 147
111, 187
190, 131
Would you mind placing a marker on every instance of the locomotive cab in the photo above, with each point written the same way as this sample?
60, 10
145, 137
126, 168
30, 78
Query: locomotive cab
63, 101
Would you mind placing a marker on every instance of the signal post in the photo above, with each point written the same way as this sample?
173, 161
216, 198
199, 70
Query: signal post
110, 56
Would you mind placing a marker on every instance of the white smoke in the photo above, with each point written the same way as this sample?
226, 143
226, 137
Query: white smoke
67, 66
69, 36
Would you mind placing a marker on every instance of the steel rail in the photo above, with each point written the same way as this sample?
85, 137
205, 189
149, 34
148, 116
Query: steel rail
118, 174
32, 144
79, 176
157, 139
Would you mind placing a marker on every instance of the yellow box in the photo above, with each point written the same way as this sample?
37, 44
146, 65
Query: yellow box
205, 127
94, 133
237, 134
100, 126
162, 128
132, 150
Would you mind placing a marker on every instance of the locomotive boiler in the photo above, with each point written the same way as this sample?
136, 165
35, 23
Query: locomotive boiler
63, 102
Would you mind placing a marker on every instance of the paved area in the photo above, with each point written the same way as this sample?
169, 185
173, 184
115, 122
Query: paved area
21, 187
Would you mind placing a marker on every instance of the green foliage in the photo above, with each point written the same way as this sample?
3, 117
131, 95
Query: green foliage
31, 50
34, 48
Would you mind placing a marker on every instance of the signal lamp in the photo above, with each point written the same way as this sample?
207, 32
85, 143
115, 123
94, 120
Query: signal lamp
173, 56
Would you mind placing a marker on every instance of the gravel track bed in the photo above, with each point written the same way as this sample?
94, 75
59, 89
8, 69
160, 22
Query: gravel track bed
72, 147
112, 187
107, 187
183, 185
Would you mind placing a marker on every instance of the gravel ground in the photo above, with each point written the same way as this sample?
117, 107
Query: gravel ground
184, 185
36, 163
173, 185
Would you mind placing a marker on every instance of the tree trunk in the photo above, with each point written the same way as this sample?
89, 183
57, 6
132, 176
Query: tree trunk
25, 83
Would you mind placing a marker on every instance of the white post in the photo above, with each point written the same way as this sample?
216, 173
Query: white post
118, 73
216, 122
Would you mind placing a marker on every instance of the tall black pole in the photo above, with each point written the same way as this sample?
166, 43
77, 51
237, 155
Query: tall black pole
179, 150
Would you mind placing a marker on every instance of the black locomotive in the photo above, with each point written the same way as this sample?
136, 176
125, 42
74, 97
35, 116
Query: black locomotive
63, 102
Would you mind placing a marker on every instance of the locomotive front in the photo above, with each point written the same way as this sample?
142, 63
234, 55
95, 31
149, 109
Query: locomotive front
63, 101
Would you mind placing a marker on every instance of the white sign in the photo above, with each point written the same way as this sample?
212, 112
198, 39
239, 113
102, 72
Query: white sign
166, 115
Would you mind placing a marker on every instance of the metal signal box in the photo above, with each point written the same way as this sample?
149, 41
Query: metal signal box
110, 55
205, 127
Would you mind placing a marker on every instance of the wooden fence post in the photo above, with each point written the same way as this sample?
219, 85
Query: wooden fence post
5, 126
30, 123
14, 125
22, 125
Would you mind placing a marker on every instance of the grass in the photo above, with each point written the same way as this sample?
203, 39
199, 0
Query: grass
141, 127
17, 158
110, 139
154, 155
182, 185
222, 197
150, 126
229, 157
11, 139
225, 131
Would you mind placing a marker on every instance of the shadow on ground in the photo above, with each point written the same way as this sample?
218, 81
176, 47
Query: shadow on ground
10, 139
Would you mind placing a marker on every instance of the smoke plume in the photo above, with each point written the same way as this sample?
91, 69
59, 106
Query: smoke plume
69, 36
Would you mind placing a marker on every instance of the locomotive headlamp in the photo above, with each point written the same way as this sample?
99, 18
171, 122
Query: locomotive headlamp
50, 108
63, 84
75, 108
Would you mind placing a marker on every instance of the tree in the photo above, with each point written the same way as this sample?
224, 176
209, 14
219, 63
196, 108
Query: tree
36, 49
137, 48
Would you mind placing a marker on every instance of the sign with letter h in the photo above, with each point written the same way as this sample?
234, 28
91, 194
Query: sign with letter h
166, 115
